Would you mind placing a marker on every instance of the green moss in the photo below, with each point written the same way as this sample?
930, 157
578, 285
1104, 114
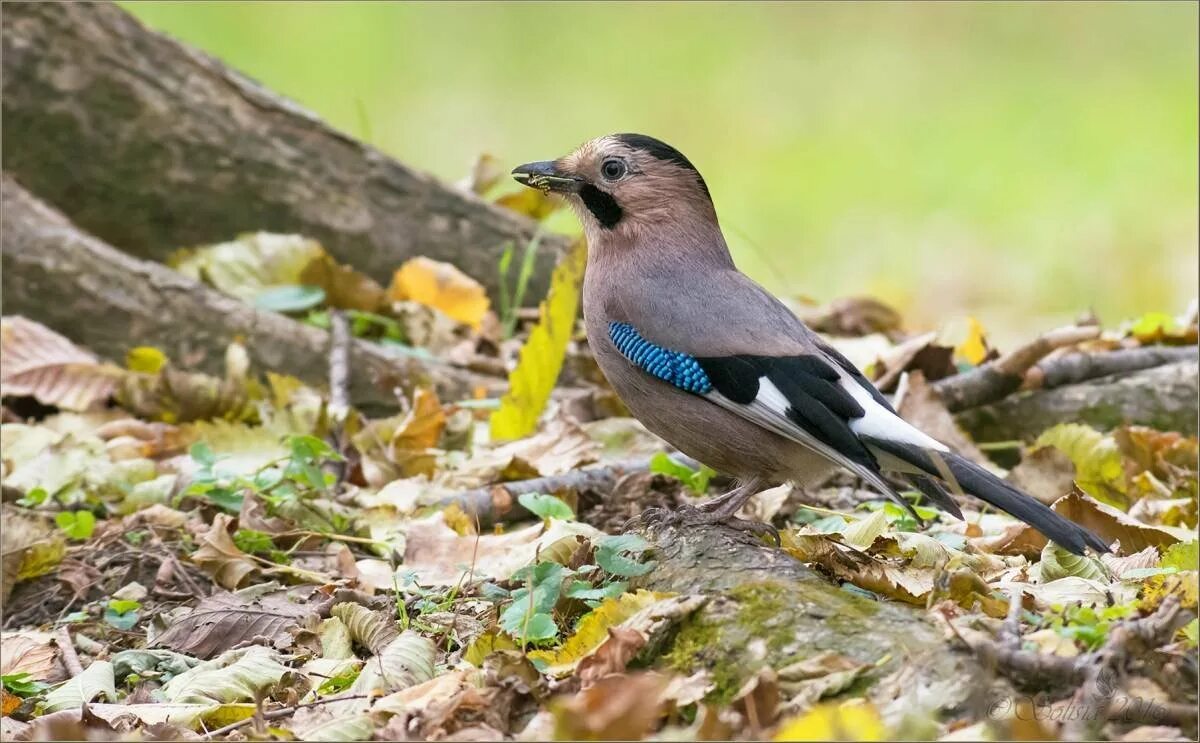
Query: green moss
723, 638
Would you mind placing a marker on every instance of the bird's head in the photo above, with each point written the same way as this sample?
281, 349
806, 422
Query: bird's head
625, 186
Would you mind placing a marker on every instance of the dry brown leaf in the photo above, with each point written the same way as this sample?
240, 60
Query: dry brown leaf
620, 707
441, 286
622, 646
36, 361
853, 316
220, 558
402, 446
344, 287
225, 620
1107, 522
1046, 473
34, 653
440, 556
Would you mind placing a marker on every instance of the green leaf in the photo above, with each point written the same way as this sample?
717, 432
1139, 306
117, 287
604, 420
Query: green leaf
1057, 562
1182, 556
546, 506
1099, 470
584, 591
33, 498
289, 298
122, 613
22, 684
540, 627
253, 542
612, 554
252, 262
202, 453
76, 524
696, 480
530, 383
1191, 633
862, 533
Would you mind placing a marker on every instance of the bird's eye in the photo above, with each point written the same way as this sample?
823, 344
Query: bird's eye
612, 169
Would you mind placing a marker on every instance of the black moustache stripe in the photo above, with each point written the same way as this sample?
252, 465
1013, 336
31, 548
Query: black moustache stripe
602, 205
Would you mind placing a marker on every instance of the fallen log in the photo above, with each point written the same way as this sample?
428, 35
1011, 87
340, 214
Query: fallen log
767, 609
1162, 397
110, 302
151, 145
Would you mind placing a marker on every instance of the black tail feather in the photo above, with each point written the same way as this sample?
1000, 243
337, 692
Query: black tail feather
977, 481
937, 495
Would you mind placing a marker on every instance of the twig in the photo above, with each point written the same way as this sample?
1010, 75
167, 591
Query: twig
339, 365
1004, 376
497, 503
1104, 670
1073, 368
67, 646
1010, 631
276, 714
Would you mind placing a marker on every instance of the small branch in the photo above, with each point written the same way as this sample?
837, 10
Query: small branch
276, 714
1104, 670
498, 503
1074, 368
339, 365
1004, 376
67, 646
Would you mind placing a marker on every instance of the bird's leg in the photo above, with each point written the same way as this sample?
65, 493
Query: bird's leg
719, 510
728, 504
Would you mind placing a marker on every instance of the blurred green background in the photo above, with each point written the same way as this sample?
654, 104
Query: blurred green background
1016, 162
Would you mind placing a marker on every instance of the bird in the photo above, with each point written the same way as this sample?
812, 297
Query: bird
722, 370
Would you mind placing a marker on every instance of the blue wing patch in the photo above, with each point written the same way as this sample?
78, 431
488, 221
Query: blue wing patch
672, 367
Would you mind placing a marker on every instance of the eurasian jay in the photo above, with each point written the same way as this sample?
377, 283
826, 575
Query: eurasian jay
721, 369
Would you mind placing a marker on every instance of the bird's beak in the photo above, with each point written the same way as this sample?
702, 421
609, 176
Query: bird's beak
546, 177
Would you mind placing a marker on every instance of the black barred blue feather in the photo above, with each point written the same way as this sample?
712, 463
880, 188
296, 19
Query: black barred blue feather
672, 367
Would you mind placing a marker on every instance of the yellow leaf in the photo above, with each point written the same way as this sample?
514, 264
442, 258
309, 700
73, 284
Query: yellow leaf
42, 557
849, 721
251, 263
1185, 585
486, 644
1098, 467
145, 360
344, 287
975, 348
530, 202
441, 286
530, 384
592, 630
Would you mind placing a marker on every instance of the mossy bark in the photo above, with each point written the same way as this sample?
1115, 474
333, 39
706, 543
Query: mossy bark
151, 145
768, 609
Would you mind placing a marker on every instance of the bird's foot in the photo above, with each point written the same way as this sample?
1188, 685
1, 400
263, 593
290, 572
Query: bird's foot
688, 515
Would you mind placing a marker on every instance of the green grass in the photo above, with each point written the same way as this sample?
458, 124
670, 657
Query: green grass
1018, 162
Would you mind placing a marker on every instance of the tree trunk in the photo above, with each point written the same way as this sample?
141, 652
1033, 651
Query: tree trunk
110, 302
151, 146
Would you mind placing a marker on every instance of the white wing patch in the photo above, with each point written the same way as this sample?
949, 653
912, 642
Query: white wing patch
881, 423
770, 396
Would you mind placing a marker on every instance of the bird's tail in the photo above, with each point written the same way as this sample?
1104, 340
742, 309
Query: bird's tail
975, 480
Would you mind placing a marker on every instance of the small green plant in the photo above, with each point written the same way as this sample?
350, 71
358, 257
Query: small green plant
546, 507
33, 498
1086, 624
529, 618
297, 476
696, 480
22, 684
621, 555
512, 299
76, 524
122, 613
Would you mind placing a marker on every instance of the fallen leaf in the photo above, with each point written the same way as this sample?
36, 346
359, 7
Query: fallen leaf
619, 707
1107, 522
852, 316
225, 620
541, 360
344, 287
847, 721
921, 406
36, 361
96, 680
220, 558
1046, 473
32, 653
437, 555
1099, 470
442, 286
974, 347
234, 676
251, 263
